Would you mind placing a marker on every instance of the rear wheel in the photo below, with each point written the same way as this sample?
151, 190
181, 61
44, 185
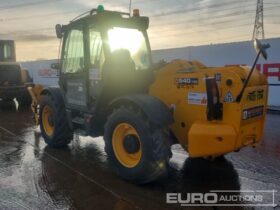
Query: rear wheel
53, 123
127, 145
137, 150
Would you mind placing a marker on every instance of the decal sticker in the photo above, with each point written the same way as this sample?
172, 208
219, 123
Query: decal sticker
255, 95
260, 94
197, 98
186, 82
253, 112
229, 97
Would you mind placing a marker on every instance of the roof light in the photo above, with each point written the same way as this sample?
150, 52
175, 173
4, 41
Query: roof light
136, 13
100, 8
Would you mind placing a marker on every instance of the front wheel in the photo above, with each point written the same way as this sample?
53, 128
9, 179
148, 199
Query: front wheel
137, 150
53, 123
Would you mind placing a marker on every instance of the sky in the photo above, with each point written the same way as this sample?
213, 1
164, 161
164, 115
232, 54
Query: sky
173, 23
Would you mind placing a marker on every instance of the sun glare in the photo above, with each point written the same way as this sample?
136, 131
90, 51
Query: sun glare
124, 38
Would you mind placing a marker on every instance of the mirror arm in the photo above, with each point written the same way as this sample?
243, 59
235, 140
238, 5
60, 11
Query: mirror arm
239, 97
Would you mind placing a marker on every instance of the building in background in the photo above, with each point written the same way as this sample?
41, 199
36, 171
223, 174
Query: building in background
238, 53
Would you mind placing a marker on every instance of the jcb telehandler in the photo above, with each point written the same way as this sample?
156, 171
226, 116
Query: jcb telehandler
109, 86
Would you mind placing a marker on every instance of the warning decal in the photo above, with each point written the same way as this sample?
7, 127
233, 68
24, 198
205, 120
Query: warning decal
197, 98
253, 112
229, 97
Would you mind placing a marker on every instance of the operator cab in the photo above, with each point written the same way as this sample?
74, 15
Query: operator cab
105, 54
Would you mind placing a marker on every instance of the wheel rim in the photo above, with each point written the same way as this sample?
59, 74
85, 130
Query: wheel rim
47, 120
127, 158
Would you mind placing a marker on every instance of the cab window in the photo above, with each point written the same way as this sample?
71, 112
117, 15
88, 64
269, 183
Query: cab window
96, 52
134, 42
7, 51
73, 55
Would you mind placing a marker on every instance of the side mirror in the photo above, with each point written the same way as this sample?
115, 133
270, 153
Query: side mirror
259, 47
56, 66
261, 50
59, 31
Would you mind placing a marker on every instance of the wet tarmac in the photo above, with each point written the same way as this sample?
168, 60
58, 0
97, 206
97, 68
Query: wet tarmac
34, 176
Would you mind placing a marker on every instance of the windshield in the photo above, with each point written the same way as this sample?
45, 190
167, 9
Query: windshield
132, 40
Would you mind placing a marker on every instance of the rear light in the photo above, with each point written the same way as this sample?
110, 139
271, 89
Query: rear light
214, 107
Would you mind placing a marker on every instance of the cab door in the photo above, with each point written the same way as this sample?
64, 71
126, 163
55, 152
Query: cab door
73, 79
96, 60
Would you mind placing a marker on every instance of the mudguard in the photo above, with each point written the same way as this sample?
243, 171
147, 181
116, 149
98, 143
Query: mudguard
155, 110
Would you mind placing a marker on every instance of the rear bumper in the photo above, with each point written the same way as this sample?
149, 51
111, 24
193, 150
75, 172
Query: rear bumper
214, 139
10, 92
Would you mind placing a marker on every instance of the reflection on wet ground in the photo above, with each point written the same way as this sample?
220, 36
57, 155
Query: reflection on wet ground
34, 176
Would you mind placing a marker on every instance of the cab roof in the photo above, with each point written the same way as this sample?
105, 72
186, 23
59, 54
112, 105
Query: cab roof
107, 18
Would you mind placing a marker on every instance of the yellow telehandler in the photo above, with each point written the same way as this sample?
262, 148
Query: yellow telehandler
109, 86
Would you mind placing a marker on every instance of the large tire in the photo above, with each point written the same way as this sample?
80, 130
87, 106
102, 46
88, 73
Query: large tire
143, 162
53, 123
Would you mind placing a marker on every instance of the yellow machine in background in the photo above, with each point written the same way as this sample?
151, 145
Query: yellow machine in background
13, 78
109, 86
35, 93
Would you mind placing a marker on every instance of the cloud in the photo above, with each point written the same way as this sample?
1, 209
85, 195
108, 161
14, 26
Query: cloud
35, 38
176, 23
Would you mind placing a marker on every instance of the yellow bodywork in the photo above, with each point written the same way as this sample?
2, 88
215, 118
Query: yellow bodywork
200, 137
194, 132
35, 93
